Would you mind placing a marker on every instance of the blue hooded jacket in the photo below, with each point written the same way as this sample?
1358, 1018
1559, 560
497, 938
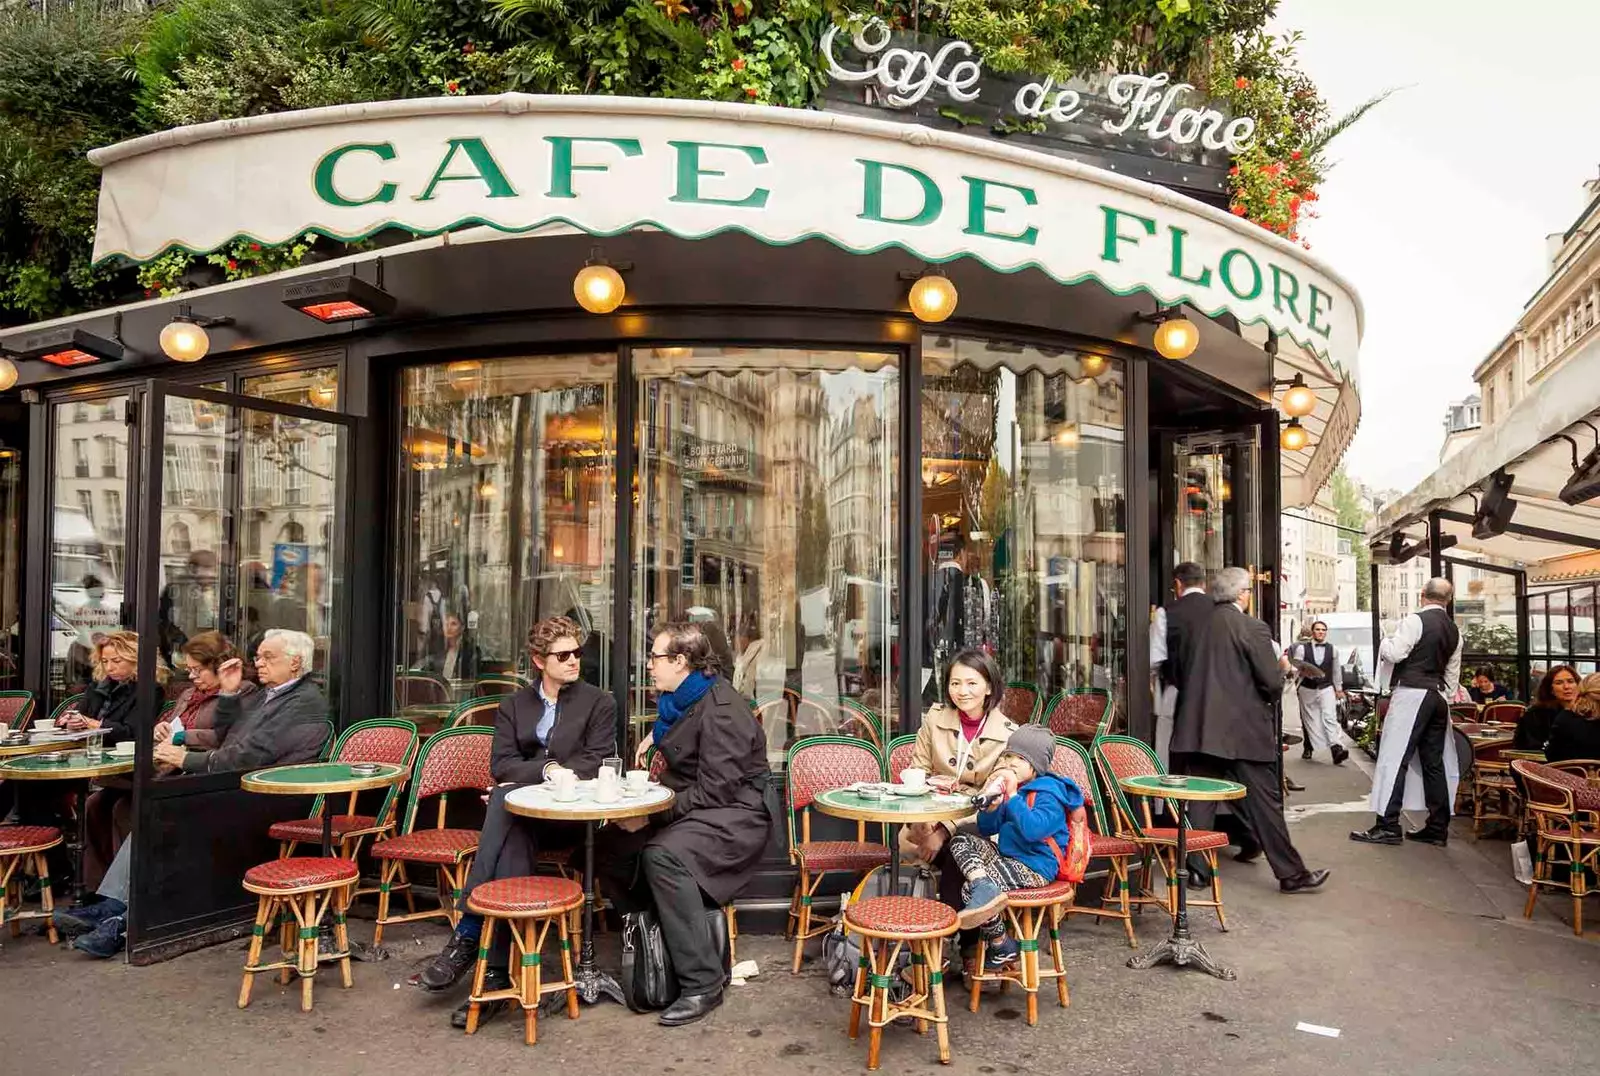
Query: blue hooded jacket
1023, 830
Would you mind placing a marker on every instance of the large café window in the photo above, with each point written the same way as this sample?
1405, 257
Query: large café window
767, 506
506, 516
1024, 502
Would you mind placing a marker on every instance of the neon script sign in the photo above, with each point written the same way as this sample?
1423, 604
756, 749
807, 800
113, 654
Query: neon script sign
1147, 105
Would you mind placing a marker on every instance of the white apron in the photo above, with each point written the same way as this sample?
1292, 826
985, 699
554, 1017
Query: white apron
1404, 703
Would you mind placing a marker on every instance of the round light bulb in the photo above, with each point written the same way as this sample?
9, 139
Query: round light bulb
598, 288
8, 374
1176, 338
1294, 436
464, 376
1068, 437
1092, 365
933, 297
184, 341
1298, 400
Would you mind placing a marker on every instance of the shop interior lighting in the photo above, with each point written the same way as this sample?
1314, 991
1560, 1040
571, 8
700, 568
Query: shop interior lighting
71, 347
336, 299
598, 286
1176, 336
1294, 437
933, 297
1092, 365
185, 338
8, 373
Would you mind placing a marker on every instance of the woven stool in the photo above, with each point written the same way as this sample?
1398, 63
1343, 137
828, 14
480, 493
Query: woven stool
304, 887
1023, 911
22, 847
534, 904
886, 927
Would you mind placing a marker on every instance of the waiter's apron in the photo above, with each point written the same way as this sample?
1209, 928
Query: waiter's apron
1404, 703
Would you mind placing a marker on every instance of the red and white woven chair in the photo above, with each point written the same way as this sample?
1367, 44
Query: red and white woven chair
306, 888
1072, 760
887, 926
529, 907
23, 848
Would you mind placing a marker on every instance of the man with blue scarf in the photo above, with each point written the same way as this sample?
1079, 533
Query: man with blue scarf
702, 851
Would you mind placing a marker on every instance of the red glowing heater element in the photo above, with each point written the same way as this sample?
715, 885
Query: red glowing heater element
70, 357
339, 298
70, 347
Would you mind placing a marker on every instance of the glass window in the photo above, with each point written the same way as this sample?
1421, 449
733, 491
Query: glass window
11, 502
507, 516
192, 528
772, 519
317, 387
1024, 504
89, 549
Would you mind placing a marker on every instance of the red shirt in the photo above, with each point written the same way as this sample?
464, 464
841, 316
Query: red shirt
971, 726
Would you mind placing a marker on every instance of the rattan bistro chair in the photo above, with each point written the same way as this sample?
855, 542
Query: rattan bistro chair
452, 759
1504, 713
24, 848
814, 765
16, 709
386, 740
886, 927
1495, 797
1123, 756
1081, 715
1020, 702
477, 711
1071, 760
898, 757
1565, 809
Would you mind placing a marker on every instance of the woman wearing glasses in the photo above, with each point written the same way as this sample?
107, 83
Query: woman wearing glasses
560, 720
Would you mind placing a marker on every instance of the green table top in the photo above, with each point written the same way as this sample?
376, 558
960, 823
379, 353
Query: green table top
77, 765
844, 803
310, 777
1193, 788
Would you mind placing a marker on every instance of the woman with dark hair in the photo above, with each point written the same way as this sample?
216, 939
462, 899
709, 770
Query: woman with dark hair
1575, 733
1556, 692
961, 738
702, 850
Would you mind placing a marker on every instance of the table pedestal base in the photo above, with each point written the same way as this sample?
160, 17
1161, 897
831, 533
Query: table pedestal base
1182, 951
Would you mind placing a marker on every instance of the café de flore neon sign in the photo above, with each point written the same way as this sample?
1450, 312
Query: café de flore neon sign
608, 165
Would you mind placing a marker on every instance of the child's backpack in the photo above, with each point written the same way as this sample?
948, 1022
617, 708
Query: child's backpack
841, 952
1072, 864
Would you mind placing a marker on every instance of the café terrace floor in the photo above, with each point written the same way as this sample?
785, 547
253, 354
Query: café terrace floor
1419, 956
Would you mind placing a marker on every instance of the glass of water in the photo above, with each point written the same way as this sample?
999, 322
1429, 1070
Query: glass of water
94, 745
614, 764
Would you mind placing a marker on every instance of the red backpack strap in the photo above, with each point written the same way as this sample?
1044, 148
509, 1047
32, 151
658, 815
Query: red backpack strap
1062, 865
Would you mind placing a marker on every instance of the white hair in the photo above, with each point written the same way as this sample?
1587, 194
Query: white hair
1229, 584
296, 645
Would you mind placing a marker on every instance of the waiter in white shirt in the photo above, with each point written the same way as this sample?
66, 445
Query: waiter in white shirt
1416, 767
1319, 695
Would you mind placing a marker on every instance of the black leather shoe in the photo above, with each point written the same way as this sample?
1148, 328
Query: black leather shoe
1292, 785
1199, 879
1439, 839
488, 1010
1304, 883
689, 1008
1339, 755
446, 969
1375, 835
1306, 752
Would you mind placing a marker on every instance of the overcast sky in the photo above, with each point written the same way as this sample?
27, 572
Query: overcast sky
1439, 201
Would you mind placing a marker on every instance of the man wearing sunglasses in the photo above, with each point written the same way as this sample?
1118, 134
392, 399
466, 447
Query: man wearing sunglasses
560, 720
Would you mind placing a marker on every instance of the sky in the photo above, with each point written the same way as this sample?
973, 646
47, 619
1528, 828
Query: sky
1440, 199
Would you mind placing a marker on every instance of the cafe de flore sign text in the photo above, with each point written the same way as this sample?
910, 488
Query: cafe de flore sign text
607, 165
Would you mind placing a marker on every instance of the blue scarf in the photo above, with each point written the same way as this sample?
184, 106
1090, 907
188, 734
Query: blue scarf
671, 705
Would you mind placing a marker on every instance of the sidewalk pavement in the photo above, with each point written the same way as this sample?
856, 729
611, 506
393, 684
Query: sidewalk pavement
1418, 955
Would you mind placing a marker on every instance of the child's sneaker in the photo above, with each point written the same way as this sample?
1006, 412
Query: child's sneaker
1001, 953
984, 902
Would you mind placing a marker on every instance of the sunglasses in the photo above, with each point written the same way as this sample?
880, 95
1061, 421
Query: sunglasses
564, 655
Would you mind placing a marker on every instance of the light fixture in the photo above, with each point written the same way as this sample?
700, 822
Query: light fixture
185, 338
8, 373
933, 297
598, 287
464, 376
487, 489
1068, 436
1294, 436
338, 298
323, 391
1299, 399
1092, 365
70, 347
1584, 482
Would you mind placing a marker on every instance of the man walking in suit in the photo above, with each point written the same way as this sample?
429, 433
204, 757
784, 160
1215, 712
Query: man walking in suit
1172, 636
1225, 725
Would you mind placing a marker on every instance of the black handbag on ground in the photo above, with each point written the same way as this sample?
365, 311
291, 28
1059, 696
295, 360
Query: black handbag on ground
649, 982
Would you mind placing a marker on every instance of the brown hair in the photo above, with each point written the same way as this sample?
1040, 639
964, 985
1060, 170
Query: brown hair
542, 637
1588, 701
126, 645
210, 649
691, 641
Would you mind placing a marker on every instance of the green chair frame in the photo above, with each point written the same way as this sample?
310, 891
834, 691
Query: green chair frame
909, 738
1121, 892
64, 705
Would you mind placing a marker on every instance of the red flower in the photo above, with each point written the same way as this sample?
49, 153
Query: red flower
1237, 209
753, 91
1233, 171
1294, 155
1241, 83
1294, 203
452, 86
232, 264
255, 247
469, 48
738, 63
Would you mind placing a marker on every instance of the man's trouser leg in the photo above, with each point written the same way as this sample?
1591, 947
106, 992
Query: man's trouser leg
1262, 811
681, 906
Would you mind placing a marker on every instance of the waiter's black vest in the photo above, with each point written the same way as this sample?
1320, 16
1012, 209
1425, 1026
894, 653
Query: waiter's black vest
1186, 618
1425, 666
1304, 652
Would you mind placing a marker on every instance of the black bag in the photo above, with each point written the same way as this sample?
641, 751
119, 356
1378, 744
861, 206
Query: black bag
649, 981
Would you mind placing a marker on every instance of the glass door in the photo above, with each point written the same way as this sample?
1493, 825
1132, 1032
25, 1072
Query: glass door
1212, 498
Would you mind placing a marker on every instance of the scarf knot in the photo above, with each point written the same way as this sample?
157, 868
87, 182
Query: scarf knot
671, 705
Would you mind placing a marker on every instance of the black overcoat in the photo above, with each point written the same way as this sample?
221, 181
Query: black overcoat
1224, 709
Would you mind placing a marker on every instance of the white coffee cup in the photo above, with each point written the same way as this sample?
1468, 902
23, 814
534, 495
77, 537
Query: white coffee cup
44, 724
607, 788
638, 781
563, 785
914, 777
123, 748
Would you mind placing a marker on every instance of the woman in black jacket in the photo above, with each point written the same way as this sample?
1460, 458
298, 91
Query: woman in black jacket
108, 703
1576, 732
703, 850
1557, 691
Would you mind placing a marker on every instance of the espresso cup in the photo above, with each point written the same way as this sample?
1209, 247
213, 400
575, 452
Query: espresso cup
608, 788
564, 785
638, 780
914, 777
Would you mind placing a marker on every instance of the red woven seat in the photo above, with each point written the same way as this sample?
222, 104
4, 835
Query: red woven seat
309, 830
16, 838
842, 855
901, 915
429, 846
1199, 840
297, 872
1045, 894
1102, 845
526, 896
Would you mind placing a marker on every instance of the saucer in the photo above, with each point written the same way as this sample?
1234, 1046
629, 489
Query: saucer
909, 792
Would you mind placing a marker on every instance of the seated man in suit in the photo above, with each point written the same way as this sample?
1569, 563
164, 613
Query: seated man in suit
560, 720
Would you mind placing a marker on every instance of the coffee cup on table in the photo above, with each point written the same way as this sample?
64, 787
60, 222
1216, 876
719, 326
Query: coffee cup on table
914, 777
638, 781
563, 784
608, 788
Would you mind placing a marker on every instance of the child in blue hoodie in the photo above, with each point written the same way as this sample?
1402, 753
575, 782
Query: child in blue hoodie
1030, 821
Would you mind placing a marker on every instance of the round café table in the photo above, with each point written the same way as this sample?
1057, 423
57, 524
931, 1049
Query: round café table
893, 811
1181, 950
539, 801
33, 747
326, 778
76, 766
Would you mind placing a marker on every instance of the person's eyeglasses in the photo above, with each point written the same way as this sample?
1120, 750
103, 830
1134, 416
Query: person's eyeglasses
563, 655
654, 657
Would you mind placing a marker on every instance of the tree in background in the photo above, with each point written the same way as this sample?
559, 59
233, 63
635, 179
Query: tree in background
1351, 509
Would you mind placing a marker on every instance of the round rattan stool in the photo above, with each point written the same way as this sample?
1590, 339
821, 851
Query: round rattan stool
22, 847
531, 907
888, 926
296, 893
1027, 912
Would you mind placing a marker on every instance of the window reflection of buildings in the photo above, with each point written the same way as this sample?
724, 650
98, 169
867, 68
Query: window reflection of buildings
92, 476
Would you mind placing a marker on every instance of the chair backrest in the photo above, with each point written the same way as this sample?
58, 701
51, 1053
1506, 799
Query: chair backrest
66, 706
478, 712
1123, 756
901, 748
815, 717
450, 759
1509, 712
771, 711
1549, 791
497, 685
819, 763
388, 740
1463, 711
1490, 750
861, 722
419, 689
1071, 761
16, 709
1078, 713
1020, 702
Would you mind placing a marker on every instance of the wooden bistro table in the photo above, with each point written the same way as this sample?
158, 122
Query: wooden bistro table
894, 811
55, 761
1181, 949
539, 801
327, 778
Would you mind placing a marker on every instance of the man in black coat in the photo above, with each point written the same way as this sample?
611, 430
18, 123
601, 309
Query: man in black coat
559, 721
1172, 637
1224, 726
